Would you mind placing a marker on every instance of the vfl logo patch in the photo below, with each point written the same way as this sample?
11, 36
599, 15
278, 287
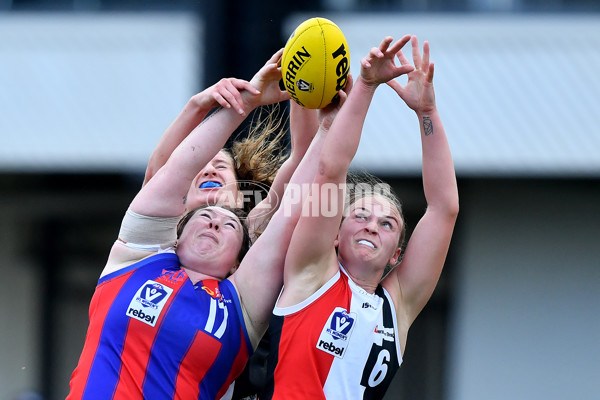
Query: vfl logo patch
148, 302
336, 332
304, 86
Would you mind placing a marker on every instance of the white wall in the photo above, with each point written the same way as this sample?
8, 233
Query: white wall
528, 294
517, 92
95, 91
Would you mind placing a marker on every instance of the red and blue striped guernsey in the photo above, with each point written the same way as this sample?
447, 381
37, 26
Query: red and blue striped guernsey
155, 335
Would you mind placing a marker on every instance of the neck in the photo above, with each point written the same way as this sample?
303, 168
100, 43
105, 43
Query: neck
363, 275
196, 277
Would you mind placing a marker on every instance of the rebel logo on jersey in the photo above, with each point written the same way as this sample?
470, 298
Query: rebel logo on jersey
336, 332
148, 302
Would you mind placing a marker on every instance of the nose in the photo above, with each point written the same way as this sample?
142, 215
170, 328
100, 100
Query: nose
209, 171
214, 225
372, 227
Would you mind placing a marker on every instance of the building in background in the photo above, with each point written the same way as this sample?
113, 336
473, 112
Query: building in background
89, 86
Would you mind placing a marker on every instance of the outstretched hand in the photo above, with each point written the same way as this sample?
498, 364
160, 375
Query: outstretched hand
266, 81
418, 93
379, 65
225, 93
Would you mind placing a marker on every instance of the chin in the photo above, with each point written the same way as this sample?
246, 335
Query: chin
202, 199
215, 197
364, 251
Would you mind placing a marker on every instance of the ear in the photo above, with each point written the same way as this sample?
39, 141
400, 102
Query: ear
395, 256
336, 242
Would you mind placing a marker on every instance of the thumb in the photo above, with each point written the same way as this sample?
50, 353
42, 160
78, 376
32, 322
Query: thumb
394, 84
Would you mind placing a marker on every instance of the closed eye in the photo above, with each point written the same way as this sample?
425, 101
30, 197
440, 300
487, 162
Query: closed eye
231, 224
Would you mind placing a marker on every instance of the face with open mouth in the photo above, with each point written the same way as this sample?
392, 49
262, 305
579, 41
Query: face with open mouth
370, 232
215, 184
210, 241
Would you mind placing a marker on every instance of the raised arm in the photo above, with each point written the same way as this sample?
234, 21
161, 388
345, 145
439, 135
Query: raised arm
226, 93
311, 259
303, 127
412, 282
164, 194
261, 270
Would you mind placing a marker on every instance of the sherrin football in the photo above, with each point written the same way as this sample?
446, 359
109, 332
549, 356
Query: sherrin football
315, 63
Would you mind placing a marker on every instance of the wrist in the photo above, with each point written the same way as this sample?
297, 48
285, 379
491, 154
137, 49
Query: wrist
363, 85
322, 131
197, 103
249, 101
429, 112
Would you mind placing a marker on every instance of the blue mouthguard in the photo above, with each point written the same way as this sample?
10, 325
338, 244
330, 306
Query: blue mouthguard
210, 184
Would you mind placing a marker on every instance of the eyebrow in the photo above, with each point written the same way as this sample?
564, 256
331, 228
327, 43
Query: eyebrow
223, 159
389, 216
239, 225
393, 218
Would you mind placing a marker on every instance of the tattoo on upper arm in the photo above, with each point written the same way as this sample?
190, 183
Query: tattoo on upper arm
427, 126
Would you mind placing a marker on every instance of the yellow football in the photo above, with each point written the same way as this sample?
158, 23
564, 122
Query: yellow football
315, 63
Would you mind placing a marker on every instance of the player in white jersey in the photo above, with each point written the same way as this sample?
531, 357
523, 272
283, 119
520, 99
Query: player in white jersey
340, 329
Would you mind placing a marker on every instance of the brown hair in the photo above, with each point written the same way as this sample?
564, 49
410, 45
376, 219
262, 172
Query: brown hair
258, 156
238, 212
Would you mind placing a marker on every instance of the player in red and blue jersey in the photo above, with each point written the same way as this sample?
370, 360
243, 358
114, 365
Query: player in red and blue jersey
179, 307
154, 334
